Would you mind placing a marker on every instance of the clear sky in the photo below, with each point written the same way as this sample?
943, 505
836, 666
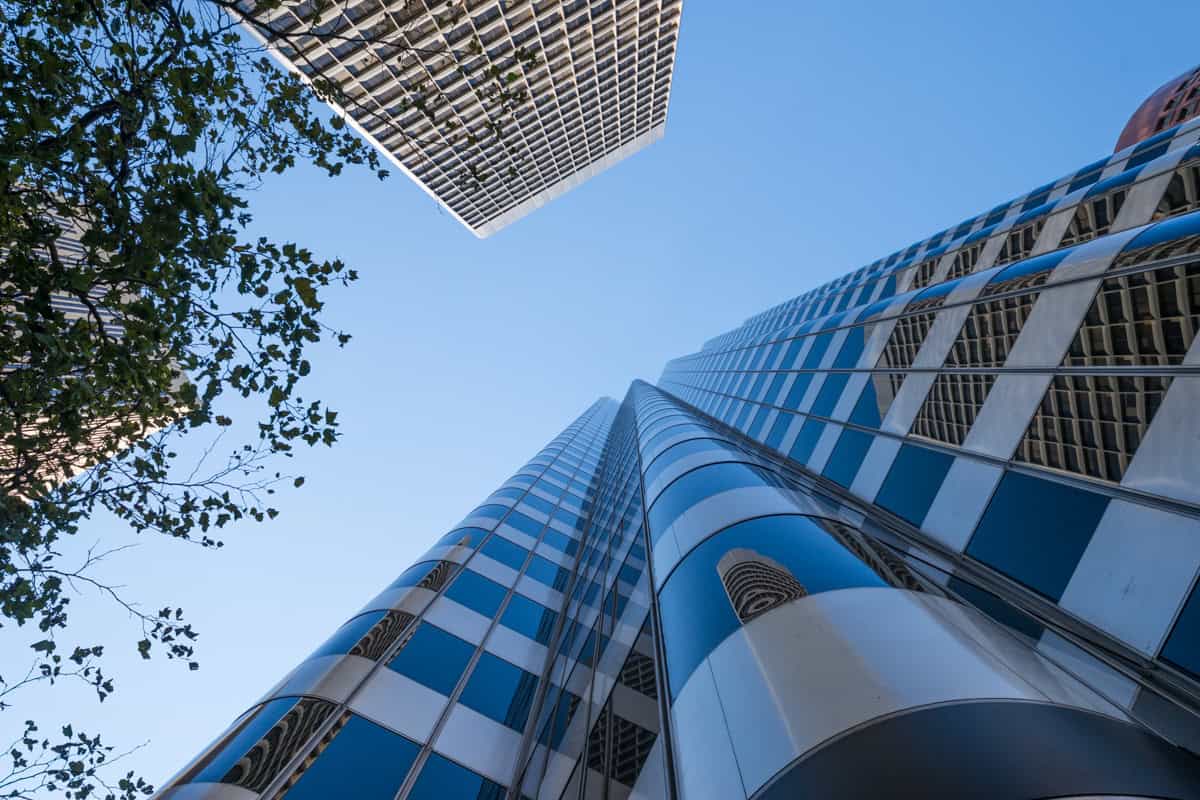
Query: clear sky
803, 141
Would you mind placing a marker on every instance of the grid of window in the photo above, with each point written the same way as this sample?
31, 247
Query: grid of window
951, 407
1092, 424
990, 331
965, 261
621, 756
1143, 319
905, 342
924, 273
1093, 217
638, 674
1183, 193
490, 104
1019, 242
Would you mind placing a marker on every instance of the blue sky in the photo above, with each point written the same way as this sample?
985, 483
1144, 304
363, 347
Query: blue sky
803, 141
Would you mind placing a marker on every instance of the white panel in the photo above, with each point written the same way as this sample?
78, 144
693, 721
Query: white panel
1052, 324
850, 394
488, 567
405, 598
907, 402
331, 677
479, 743
1005, 415
1144, 196
875, 467
960, 502
665, 554
1091, 258
400, 703
536, 590
789, 438
516, 537
820, 454
942, 334
687, 464
458, 619
1135, 573
704, 762
652, 782
1053, 232
1166, 463
517, 649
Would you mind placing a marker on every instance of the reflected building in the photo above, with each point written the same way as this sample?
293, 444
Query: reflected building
930, 530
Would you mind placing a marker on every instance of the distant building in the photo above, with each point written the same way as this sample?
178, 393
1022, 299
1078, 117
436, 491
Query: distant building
931, 530
421, 80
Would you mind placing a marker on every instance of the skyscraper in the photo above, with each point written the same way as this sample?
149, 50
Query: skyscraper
931, 530
494, 107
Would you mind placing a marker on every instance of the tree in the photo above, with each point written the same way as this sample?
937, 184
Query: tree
133, 301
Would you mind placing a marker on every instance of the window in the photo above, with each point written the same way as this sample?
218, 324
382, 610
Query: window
696, 486
433, 658
217, 766
1020, 240
1035, 531
990, 331
830, 393
367, 635
965, 260
913, 481
499, 690
504, 551
806, 440
676, 452
544, 571
529, 618
359, 757
1183, 193
1094, 217
413, 575
847, 456
638, 674
442, 779
950, 408
466, 537
1172, 237
1183, 644
1092, 424
905, 342
695, 605
617, 748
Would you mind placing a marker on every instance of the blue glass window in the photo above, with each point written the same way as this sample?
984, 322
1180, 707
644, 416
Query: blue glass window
913, 481
672, 431
535, 502
499, 690
676, 452
433, 658
413, 575
467, 537
219, 763
773, 390
695, 607
504, 551
779, 430
493, 511
545, 571
555, 726
997, 609
847, 456
831, 390
477, 592
345, 637
1035, 531
796, 393
364, 759
866, 411
560, 541
806, 441
524, 524
759, 419
851, 350
817, 351
695, 486
1183, 645
529, 618
442, 779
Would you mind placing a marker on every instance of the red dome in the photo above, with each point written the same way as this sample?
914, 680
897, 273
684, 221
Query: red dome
1175, 101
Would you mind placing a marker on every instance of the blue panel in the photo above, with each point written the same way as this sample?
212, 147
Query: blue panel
1111, 184
413, 575
672, 454
219, 764
866, 410
796, 393
847, 456
560, 541
537, 503
695, 486
830, 392
345, 637
779, 430
1029, 266
504, 551
529, 618
1183, 645
555, 726
363, 759
433, 658
773, 390
847, 357
467, 537
499, 690
1035, 531
696, 610
477, 592
817, 351
442, 779
1165, 231
545, 571
493, 511
524, 524
913, 481
1088, 175
806, 441
756, 424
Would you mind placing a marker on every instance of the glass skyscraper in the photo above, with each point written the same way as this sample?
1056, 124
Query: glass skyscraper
931, 530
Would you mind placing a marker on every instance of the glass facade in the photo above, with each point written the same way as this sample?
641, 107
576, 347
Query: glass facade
937, 519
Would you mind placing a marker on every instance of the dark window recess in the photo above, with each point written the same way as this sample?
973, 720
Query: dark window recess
990, 331
617, 748
1145, 319
1183, 644
1019, 242
951, 407
638, 674
1182, 195
905, 342
438, 576
1092, 424
378, 759
965, 260
923, 273
1094, 217
270, 754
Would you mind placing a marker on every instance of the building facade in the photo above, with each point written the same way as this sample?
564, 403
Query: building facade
931, 530
494, 107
